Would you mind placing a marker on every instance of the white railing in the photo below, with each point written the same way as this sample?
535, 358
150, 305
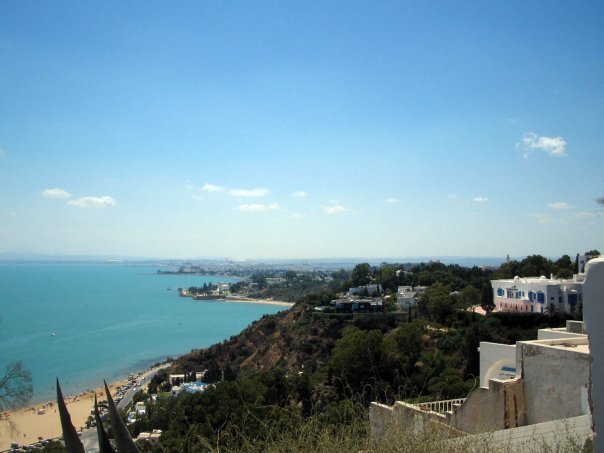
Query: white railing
440, 407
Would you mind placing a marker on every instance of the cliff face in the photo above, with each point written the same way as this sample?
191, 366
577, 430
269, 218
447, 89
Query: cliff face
294, 340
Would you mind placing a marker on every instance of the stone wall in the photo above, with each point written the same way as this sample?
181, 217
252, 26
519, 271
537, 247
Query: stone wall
556, 379
501, 406
404, 418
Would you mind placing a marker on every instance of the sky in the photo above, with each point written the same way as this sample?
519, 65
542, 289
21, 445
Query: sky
301, 129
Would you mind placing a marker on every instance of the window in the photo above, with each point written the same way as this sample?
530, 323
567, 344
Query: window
540, 297
500, 292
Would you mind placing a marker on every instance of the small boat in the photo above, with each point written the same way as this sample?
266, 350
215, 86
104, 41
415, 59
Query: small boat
52, 334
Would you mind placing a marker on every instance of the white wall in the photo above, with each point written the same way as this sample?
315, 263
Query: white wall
552, 334
556, 378
493, 358
593, 314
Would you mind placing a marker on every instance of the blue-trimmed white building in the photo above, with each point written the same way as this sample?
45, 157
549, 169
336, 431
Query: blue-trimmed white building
538, 294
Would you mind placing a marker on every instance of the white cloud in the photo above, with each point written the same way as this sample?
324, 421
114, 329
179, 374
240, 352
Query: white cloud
248, 193
297, 215
198, 197
257, 207
211, 188
480, 199
452, 196
92, 202
56, 193
545, 219
559, 205
299, 193
392, 200
588, 214
554, 146
2, 152
335, 209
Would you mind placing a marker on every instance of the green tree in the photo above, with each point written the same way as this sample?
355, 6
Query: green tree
356, 356
402, 348
534, 266
563, 267
449, 384
486, 297
436, 301
469, 297
361, 275
387, 277
564, 262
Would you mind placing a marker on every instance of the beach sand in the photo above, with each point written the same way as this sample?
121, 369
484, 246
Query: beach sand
26, 426
259, 301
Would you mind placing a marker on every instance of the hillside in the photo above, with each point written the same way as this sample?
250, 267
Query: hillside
293, 340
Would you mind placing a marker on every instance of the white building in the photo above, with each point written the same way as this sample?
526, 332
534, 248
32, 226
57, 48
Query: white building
369, 290
140, 408
152, 437
405, 296
538, 294
223, 288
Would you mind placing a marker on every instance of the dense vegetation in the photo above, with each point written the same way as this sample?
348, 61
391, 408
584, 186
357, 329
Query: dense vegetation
304, 371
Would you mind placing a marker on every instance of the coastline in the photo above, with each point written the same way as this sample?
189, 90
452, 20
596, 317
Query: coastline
41, 421
241, 299
26, 426
247, 300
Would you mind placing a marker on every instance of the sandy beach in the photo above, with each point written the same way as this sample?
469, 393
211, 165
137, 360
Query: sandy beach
258, 301
27, 425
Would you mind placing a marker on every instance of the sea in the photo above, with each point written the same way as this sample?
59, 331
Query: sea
83, 323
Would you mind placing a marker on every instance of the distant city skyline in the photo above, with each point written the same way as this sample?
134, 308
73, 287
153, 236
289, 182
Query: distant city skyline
273, 130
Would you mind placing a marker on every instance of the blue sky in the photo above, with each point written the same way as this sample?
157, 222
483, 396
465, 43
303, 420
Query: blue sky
301, 129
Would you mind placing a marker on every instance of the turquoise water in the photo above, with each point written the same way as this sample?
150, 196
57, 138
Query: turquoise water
108, 319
